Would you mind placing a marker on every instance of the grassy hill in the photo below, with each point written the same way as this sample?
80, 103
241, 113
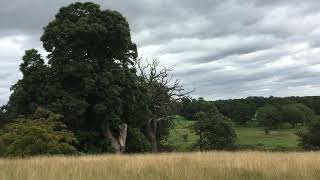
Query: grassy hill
206, 165
181, 137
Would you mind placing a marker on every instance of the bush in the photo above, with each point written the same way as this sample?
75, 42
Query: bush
137, 142
93, 142
44, 135
310, 137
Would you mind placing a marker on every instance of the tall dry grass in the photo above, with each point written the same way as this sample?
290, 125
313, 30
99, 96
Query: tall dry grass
208, 165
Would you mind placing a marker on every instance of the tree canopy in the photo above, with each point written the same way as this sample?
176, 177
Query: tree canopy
269, 116
89, 79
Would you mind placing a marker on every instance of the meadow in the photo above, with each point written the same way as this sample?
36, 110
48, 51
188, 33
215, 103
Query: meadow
181, 137
196, 165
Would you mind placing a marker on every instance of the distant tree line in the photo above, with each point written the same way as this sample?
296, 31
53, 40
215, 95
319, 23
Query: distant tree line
243, 110
269, 113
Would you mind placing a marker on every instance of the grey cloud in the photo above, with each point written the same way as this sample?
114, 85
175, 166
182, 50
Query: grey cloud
225, 49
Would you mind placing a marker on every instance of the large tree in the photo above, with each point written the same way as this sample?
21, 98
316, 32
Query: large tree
89, 78
90, 53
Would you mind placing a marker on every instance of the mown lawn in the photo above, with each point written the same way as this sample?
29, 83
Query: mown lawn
182, 138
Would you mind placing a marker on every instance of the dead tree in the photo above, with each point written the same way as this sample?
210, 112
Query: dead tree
161, 94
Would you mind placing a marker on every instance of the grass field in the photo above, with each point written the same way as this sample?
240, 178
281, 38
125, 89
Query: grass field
206, 165
283, 138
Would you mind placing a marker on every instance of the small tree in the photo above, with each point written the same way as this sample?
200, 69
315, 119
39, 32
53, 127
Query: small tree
214, 131
309, 139
43, 134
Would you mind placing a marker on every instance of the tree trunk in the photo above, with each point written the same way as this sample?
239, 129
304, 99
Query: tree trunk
123, 128
151, 132
118, 143
200, 140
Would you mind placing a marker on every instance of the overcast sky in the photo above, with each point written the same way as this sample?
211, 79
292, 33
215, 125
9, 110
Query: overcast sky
223, 48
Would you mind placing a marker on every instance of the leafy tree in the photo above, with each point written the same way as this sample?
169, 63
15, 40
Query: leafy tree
292, 114
269, 116
242, 112
187, 109
190, 107
43, 134
89, 78
29, 92
214, 131
309, 139
312, 102
90, 53
238, 110
308, 113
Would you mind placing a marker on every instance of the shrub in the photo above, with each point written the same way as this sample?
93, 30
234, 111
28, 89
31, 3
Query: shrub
310, 138
137, 142
45, 134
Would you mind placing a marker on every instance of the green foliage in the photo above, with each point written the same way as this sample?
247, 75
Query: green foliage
90, 53
215, 131
292, 114
43, 134
31, 91
238, 110
84, 30
92, 142
89, 78
269, 116
309, 138
190, 107
307, 112
137, 142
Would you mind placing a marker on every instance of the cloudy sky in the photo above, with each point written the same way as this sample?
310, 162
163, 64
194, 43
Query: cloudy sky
224, 49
